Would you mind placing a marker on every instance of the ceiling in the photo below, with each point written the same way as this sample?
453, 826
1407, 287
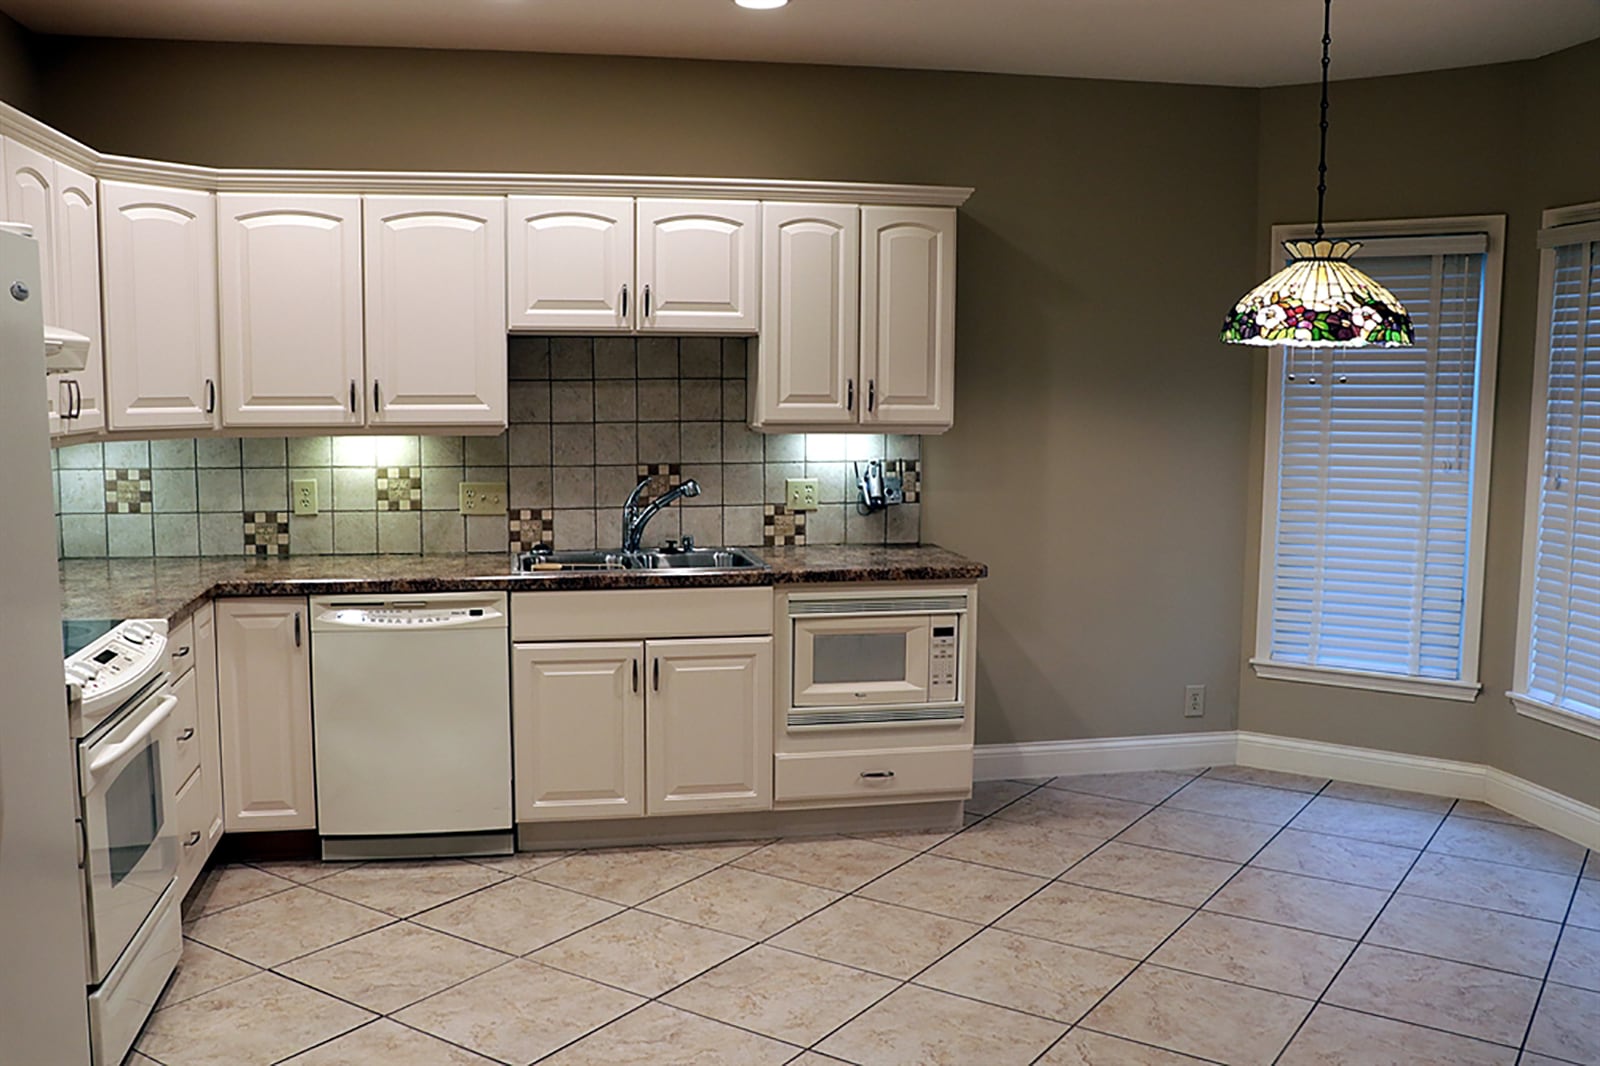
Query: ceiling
1217, 42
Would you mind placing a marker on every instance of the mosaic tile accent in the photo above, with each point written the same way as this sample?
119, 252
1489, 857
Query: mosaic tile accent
266, 532
128, 491
664, 477
399, 488
531, 526
780, 526
910, 471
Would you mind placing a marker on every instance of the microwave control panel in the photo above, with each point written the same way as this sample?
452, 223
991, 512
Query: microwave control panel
943, 654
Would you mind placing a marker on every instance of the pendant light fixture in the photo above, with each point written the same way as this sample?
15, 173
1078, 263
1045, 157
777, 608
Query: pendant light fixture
1319, 299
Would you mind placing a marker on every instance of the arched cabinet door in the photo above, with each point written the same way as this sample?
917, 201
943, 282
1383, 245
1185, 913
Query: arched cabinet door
698, 266
160, 271
436, 312
569, 264
908, 316
82, 393
289, 274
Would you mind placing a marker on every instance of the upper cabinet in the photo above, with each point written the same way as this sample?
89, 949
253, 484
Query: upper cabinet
160, 264
697, 266
813, 370
289, 274
435, 309
809, 349
570, 263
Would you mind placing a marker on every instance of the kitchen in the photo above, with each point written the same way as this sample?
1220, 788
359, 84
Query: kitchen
1109, 575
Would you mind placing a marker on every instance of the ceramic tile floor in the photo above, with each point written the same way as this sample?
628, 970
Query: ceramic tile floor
1138, 919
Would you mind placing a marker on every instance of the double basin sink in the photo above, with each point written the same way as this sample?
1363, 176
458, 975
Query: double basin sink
694, 560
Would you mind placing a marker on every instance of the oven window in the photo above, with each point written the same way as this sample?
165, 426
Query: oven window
854, 658
133, 811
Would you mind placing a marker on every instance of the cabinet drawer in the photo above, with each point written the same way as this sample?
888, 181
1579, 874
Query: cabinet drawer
184, 724
180, 641
191, 815
631, 614
869, 776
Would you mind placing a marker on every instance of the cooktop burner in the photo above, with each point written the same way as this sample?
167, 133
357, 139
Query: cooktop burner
77, 634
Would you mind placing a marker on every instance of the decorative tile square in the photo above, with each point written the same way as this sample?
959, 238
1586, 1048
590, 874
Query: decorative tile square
531, 527
266, 532
781, 526
910, 473
129, 491
399, 488
664, 477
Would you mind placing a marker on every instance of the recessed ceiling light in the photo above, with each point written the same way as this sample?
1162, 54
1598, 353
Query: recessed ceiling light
761, 5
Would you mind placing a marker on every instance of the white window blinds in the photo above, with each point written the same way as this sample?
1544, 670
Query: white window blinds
1564, 641
1374, 481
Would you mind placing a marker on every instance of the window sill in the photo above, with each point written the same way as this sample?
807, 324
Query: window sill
1559, 717
1431, 688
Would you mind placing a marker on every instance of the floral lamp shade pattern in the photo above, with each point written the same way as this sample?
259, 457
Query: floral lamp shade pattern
1319, 300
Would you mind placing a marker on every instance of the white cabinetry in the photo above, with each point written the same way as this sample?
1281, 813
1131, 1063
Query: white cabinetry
161, 306
264, 705
698, 266
435, 310
809, 350
709, 745
197, 784
809, 371
289, 269
570, 263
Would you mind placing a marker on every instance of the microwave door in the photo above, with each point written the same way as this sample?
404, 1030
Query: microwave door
842, 662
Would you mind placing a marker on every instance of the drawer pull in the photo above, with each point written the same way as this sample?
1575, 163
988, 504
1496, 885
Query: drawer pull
187, 734
194, 838
181, 652
877, 775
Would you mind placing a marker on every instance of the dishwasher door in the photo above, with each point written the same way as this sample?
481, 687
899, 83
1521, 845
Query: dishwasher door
411, 714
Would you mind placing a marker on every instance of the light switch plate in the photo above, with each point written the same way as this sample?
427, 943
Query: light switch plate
483, 497
800, 493
304, 491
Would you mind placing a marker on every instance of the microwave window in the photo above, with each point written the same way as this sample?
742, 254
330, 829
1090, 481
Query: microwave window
133, 812
855, 658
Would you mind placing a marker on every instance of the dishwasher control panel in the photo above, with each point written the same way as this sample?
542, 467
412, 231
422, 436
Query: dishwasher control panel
423, 613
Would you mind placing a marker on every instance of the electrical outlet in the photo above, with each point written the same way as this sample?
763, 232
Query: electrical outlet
305, 495
1194, 701
483, 497
801, 493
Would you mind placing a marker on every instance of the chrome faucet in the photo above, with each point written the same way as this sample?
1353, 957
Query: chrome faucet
635, 518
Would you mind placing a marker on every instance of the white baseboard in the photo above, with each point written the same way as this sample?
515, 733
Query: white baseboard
1543, 807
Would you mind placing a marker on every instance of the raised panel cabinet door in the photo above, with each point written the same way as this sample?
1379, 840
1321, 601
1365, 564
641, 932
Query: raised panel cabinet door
708, 725
264, 707
436, 314
577, 727
808, 353
205, 678
160, 268
82, 393
908, 316
289, 274
29, 196
569, 263
698, 266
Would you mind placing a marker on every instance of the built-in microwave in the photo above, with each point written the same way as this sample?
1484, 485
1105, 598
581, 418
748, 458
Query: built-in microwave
863, 658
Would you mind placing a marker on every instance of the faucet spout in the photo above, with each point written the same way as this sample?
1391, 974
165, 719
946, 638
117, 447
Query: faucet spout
634, 518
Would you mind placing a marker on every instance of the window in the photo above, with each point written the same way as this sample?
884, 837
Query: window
1558, 660
1377, 476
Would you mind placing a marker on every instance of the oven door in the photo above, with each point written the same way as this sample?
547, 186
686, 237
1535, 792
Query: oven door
861, 661
132, 853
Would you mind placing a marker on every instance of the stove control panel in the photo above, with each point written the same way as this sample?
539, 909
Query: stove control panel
112, 668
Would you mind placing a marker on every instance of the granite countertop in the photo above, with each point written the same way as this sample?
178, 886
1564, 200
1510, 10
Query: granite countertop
173, 588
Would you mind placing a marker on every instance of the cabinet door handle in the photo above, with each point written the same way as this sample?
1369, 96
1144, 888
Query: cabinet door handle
647, 301
352, 395
624, 299
636, 675
186, 735
74, 398
850, 395
655, 675
181, 652
297, 629
211, 396
872, 393
194, 838
877, 775
377, 397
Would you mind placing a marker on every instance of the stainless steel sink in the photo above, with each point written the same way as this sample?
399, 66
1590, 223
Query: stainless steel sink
696, 560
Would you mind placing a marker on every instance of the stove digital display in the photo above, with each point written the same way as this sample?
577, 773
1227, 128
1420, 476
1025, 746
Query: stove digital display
106, 656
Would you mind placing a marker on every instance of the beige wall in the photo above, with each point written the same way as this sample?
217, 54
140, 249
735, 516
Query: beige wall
1098, 458
1510, 139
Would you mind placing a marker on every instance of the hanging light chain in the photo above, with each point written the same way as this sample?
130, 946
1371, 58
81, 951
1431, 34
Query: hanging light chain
1322, 158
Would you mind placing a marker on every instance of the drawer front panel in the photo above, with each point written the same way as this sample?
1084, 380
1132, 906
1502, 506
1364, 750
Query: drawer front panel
632, 614
192, 816
874, 776
180, 642
185, 728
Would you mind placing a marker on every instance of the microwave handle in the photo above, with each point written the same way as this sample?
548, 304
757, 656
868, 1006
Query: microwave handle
116, 751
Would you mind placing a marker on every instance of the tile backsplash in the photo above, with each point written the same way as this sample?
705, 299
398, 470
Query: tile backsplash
589, 417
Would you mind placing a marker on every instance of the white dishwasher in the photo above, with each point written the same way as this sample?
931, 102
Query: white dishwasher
411, 714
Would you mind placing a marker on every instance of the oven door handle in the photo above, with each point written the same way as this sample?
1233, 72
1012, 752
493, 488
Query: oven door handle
115, 752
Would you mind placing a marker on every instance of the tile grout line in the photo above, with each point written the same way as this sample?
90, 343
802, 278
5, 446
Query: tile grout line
1544, 983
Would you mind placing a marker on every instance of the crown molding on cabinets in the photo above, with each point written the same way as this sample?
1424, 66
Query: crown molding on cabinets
30, 131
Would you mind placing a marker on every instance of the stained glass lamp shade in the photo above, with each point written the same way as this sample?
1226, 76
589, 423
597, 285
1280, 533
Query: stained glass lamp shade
1319, 300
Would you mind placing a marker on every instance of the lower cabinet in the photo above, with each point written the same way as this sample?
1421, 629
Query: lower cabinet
620, 729
264, 707
197, 771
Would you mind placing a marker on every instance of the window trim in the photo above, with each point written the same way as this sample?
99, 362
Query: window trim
1469, 686
1527, 705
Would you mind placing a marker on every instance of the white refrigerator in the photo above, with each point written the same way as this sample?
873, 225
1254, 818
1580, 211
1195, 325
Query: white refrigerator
43, 1011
